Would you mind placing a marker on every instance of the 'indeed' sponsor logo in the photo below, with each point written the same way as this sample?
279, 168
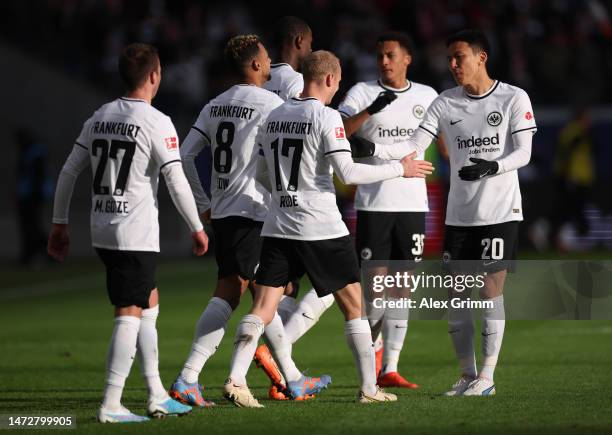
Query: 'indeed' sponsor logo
395, 132
477, 141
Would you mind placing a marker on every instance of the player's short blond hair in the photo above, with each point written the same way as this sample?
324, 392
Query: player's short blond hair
319, 64
240, 50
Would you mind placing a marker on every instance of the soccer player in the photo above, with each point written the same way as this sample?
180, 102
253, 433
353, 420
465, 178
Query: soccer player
391, 213
293, 41
488, 127
127, 142
229, 124
301, 142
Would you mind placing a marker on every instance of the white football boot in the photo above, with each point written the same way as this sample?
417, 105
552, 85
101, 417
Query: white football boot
480, 387
460, 386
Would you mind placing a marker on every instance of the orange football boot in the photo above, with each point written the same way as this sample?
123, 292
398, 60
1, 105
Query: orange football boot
265, 361
395, 380
379, 357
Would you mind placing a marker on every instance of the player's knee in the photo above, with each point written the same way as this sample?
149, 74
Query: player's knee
230, 289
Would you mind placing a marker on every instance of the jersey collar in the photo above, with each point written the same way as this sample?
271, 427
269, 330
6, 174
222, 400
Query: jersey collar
133, 100
397, 91
485, 95
276, 65
303, 99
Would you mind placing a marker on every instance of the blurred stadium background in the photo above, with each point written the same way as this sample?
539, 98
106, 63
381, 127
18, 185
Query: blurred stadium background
59, 64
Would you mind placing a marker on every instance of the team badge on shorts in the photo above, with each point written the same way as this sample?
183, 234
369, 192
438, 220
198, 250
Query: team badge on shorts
418, 111
494, 119
366, 253
446, 257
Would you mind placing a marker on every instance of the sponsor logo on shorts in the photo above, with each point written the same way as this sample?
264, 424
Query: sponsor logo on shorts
446, 257
366, 253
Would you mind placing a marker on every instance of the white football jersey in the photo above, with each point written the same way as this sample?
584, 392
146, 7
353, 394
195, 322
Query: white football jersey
229, 124
481, 126
296, 139
128, 142
394, 124
284, 81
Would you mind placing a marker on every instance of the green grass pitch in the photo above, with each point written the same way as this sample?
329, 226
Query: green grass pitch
554, 377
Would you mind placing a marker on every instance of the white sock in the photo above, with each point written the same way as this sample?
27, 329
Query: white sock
208, 334
307, 314
149, 355
281, 349
378, 343
286, 308
461, 330
493, 325
375, 318
249, 331
359, 339
394, 332
120, 358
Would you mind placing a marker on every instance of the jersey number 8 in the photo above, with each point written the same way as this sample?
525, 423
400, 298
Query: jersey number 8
224, 139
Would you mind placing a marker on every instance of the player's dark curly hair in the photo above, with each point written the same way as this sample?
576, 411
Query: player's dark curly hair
136, 62
402, 39
240, 50
475, 38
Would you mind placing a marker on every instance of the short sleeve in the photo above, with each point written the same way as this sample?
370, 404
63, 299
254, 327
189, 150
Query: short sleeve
165, 143
431, 121
295, 88
521, 114
332, 133
353, 102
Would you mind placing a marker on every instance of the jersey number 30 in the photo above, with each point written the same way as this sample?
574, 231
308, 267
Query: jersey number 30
100, 147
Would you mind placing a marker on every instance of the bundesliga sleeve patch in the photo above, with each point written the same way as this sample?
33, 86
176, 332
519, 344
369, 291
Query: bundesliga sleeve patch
340, 133
528, 116
171, 143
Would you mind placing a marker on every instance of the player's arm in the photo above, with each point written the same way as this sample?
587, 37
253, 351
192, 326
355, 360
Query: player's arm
59, 240
181, 195
417, 143
353, 122
193, 144
169, 160
350, 172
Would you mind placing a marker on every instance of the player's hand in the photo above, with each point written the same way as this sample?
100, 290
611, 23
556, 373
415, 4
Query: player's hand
206, 216
416, 168
59, 241
482, 168
383, 100
200, 242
